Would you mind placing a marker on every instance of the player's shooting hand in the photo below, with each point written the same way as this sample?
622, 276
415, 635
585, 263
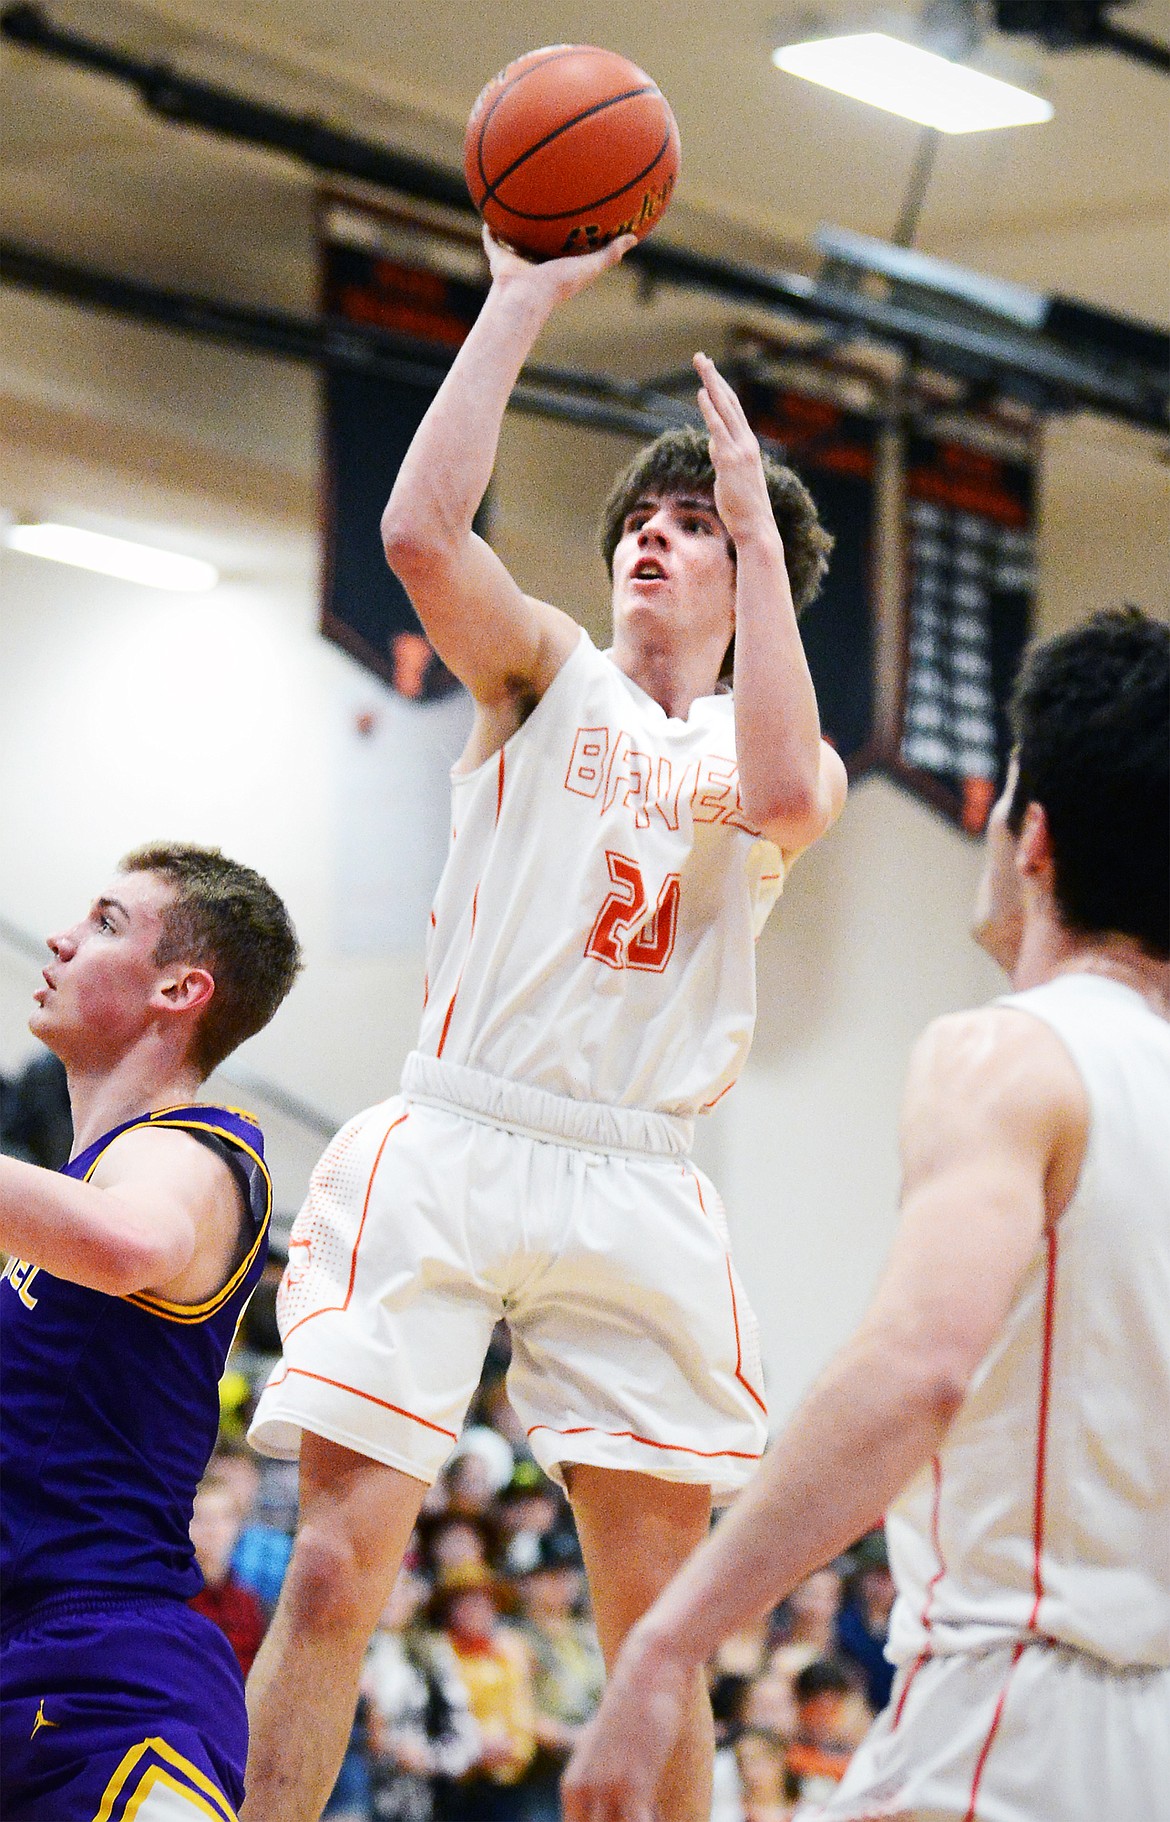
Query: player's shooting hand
553, 281
741, 492
615, 1771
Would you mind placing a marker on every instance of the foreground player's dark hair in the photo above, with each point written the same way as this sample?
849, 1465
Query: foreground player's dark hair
679, 461
1091, 717
225, 918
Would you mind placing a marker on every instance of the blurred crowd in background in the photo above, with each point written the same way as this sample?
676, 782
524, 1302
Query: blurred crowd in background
485, 1664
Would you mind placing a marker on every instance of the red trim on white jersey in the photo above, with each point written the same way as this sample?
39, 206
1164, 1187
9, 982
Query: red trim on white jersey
1037, 1517
384, 1403
931, 1586
330, 1308
742, 1377
459, 982
675, 1448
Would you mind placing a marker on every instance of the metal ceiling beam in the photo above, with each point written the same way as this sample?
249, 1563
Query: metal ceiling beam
1024, 366
594, 400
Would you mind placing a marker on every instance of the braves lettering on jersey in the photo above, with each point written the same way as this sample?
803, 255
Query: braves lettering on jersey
593, 929
1047, 1512
110, 1406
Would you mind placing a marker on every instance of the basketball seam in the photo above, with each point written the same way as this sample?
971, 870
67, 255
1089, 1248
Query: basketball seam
531, 69
565, 126
597, 202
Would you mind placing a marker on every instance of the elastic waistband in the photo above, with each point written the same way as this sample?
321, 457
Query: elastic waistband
78, 1602
585, 1125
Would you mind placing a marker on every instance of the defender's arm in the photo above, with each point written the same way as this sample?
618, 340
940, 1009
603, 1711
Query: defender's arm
155, 1200
994, 1125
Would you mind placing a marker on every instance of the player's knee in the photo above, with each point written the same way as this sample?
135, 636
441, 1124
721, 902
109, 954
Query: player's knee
326, 1588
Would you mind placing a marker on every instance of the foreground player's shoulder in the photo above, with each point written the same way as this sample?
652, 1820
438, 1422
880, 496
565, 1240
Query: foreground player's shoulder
168, 1157
995, 1073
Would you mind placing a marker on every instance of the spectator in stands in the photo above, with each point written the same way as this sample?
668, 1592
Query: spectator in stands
830, 1722
768, 1787
496, 1668
420, 1727
746, 1652
568, 1668
262, 1554
527, 1509
809, 1616
35, 1119
447, 1542
215, 1526
770, 1702
864, 1620
476, 1472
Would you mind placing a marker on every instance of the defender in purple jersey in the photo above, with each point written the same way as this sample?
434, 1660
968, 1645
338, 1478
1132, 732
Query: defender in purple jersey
126, 1275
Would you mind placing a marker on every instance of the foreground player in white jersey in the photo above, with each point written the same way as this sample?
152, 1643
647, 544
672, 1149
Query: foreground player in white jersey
1009, 1389
619, 833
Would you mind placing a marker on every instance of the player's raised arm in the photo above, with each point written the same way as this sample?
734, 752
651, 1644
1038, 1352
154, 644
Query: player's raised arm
793, 784
499, 642
993, 1131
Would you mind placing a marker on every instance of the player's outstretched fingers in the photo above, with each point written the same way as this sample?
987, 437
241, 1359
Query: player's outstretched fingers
741, 489
723, 398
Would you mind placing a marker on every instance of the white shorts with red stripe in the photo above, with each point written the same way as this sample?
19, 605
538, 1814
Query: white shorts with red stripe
1032, 1732
466, 1199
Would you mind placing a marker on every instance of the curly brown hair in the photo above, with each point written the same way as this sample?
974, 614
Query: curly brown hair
226, 918
679, 461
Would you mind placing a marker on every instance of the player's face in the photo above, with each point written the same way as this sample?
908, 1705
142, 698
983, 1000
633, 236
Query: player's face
673, 564
98, 986
999, 902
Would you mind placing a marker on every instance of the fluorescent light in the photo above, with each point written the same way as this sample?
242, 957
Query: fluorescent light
891, 74
141, 563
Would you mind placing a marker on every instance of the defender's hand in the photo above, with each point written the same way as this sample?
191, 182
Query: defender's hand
741, 492
553, 281
614, 1774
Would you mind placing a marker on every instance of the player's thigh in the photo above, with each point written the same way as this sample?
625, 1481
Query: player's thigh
636, 1531
635, 1347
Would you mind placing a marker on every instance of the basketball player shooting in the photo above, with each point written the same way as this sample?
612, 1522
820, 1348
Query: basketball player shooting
619, 833
1009, 1389
126, 1278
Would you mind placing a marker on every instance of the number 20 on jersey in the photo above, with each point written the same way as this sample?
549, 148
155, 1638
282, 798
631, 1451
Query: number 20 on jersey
622, 936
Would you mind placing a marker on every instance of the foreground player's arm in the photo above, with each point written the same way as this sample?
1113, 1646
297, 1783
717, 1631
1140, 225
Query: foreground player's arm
499, 642
994, 1111
792, 783
154, 1200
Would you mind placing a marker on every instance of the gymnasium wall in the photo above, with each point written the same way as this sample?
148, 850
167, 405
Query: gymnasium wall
126, 714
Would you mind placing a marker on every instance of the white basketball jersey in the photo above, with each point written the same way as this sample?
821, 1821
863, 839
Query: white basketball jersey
1047, 1511
593, 931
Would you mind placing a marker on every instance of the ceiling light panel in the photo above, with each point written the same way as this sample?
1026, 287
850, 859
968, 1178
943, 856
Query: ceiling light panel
903, 79
130, 562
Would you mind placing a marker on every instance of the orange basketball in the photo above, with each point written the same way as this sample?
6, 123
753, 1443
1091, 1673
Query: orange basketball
569, 147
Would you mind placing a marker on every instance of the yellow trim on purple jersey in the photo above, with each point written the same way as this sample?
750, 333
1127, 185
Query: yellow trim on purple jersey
120, 1804
199, 1312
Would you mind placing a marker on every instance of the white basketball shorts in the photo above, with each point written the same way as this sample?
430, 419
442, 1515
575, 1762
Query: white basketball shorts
466, 1199
1014, 1733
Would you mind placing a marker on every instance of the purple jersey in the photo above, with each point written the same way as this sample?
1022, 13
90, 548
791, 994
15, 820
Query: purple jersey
110, 1405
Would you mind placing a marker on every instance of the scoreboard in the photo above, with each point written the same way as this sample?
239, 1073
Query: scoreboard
970, 549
